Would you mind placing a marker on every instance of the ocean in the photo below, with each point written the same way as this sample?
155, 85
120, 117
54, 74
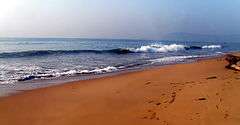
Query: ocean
27, 63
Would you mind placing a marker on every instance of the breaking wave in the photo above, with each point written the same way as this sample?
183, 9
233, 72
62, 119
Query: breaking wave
56, 52
154, 48
159, 48
68, 73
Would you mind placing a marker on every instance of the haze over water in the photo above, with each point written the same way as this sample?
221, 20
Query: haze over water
134, 19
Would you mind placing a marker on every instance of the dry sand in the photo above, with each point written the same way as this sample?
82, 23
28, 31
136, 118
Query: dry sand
201, 93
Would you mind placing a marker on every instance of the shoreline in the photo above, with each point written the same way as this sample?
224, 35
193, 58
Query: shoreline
172, 94
45, 83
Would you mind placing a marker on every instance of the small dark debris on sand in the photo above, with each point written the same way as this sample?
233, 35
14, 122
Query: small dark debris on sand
212, 77
233, 62
147, 83
158, 103
202, 99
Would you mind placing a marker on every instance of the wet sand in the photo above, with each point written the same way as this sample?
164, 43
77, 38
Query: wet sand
200, 93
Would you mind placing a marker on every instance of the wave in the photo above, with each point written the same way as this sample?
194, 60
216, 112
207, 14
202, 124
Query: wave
174, 59
154, 48
49, 74
55, 52
99, 70
159, 48
68, 73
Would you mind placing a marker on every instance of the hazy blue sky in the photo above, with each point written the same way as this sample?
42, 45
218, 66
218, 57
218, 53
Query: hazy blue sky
148, 19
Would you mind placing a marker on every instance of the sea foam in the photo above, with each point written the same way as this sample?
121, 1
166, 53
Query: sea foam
159, 48
211, 46
174, 59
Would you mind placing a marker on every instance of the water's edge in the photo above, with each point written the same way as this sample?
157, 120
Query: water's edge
11, 90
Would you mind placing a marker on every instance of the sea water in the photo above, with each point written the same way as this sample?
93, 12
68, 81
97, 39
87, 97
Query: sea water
25, 60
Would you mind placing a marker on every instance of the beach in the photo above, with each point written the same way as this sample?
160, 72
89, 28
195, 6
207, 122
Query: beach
199, 93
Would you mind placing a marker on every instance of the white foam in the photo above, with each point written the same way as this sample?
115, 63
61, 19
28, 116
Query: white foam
99, 70
159, 48
173, 59
70, 72
220, 53
107, 69
212, 47
84, 72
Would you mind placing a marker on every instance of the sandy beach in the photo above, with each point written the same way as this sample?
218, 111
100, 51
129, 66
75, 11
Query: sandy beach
200, 93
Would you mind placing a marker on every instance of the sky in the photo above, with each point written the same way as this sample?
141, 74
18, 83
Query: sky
133, 19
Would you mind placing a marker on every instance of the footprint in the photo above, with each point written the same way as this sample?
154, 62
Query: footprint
194, 116
173, 97
165, 123
220, 99
150, 101
217, 107
151, 115
226, 116
154, 102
